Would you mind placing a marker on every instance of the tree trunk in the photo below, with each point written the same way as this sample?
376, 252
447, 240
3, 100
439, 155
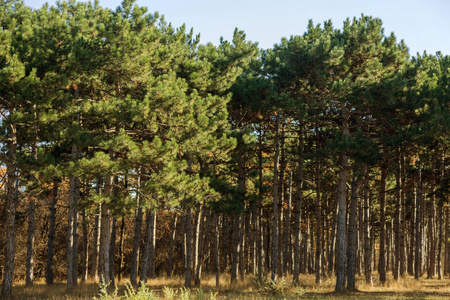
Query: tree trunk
148, 245
49, 277
216, 249
275, 201
352, 228
96, 246
30, 242
85, 254
171, 245
418, 221
112, 250
382, 258
152, 261
402, 218
341, 258
105, 235
201, 227
121, 250
11, 201
431, 226
287, 226
189, 252
318, 223
398, 211
367, 236
297, 206
72, 228
134, 267
447, 243
260, 253
236, 248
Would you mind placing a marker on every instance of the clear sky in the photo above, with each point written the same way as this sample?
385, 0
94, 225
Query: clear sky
422, 24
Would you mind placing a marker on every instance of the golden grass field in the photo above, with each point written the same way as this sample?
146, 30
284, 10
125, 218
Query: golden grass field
251, 288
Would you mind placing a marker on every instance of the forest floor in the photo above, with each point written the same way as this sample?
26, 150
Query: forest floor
252, 288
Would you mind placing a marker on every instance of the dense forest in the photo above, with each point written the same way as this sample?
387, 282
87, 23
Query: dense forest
131, 150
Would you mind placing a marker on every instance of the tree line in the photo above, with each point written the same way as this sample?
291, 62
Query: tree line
131, 149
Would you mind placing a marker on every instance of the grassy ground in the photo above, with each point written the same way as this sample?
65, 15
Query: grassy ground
252, 288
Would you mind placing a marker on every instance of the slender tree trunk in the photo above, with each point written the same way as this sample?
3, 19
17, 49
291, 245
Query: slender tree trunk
418, 201
152, 261
134, 267
11, 202
396, 268
236, 248
275, 201
196, 240
85, 254
96, 246
341, 258
198, 271
244, 245
112, 250
382, 258
105, 235
431, 226
287, 231
216, 249
413, 236
260, 253
403, 249
318, 223
146, 263
367, 229
225, 250
447, 243
121, 250
331, 254
30, 242
49, 277
207, 243
171, 245
297, 206
72, 235
358, 179
189, 252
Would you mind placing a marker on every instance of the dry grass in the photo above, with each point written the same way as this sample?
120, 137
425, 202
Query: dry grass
252, 288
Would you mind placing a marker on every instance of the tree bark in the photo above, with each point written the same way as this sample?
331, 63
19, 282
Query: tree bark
189, 252
297, 206
171, 245
29, 278
148, 245
49, 277
358, 179
418, 221
216, 249
72, 228
275, 202
287, 226
398, 211
121, 250
11, 202
341, 246
105, 235
85, 254
318, 223
367, 229
112, 250
382, 258
198, 271
236, 248
134, 267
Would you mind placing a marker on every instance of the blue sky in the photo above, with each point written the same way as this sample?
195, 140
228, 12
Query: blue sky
422, 24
